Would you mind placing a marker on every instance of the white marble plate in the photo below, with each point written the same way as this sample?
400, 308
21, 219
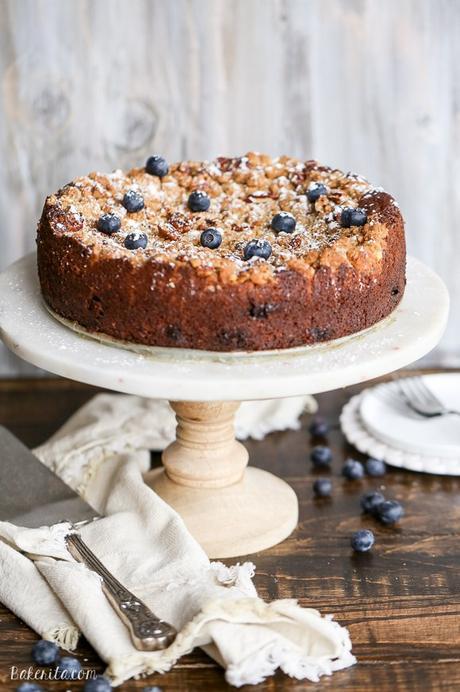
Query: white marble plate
388, 418
410, 332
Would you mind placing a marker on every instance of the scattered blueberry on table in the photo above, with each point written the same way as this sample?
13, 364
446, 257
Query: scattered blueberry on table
283, 222
353, 470
133, 201
362, 540
157, 165
29, 687
389, 512
45, 653
97, 684
375, 467
198, 201
315, 190
211, 238
322, 487
68, 668
109, 223
319, 427
352, 217
321, 456
257, 248
134, 241
155, 688
371, 501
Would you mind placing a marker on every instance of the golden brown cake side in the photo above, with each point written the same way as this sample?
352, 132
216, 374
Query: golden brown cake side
321, 282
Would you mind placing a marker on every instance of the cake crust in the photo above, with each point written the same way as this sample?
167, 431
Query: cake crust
321, 282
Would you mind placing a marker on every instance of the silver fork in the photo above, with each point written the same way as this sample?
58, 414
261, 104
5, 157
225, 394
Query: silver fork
148, 632
421, 399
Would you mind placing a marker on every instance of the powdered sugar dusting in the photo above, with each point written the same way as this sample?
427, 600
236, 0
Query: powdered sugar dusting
245, 194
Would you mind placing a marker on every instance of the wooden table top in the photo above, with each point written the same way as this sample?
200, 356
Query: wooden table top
401, 602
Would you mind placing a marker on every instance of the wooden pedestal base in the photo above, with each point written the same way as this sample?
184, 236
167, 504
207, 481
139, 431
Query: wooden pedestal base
229, 509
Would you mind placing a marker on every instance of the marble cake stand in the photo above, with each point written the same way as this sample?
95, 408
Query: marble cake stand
231, 510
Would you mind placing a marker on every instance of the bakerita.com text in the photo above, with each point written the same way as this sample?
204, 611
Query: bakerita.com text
32, 673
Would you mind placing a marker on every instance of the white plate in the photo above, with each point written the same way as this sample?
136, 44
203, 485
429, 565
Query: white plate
388, 418
358, 435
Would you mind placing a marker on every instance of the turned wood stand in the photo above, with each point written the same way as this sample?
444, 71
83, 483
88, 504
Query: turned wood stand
205, 477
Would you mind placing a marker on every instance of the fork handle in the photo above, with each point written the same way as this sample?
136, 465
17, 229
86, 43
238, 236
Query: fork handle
148, 632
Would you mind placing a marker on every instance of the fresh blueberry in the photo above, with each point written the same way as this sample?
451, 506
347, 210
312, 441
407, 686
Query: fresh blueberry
68, 668
321, 456
133, 201
319, 427
109, 223
29, 687
257, 248
97, 684
315, 190
44, 653
371, 501
157, 165
353, 217
283, 222
322, 487
155, 688
211, 238
362, 540
134, 241
353, 470
389, 512
198, 201
375, 468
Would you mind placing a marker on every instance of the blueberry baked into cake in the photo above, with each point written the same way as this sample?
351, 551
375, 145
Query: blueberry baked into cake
248, 253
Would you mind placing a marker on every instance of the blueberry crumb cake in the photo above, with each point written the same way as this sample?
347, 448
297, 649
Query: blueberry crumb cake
247, 253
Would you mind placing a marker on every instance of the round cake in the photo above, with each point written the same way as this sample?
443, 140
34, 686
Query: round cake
236, 254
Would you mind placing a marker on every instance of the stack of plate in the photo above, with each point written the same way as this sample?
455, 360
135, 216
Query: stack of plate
379, 423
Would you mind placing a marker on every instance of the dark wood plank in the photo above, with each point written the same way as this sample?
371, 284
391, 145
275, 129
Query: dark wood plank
401, 602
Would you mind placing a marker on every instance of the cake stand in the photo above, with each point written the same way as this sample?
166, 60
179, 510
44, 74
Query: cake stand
230, 509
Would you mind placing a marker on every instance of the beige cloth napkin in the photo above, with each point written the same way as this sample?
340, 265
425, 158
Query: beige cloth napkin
102, 452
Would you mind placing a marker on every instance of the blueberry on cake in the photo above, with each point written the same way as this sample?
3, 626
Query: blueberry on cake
247, 253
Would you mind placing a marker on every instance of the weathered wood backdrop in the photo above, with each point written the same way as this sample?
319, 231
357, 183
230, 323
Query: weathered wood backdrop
365, 85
